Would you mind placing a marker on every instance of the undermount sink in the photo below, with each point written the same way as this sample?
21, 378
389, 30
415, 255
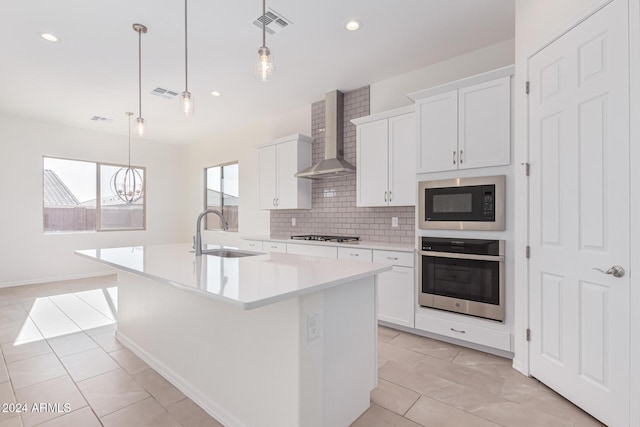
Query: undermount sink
228, 253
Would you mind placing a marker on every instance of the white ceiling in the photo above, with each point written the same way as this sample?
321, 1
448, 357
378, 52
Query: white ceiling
93, 70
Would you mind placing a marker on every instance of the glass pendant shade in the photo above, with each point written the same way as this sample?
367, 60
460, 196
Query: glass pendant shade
264, 64
140, 126
188, 104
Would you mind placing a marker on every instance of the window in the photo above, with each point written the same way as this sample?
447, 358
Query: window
221, 183
82, 196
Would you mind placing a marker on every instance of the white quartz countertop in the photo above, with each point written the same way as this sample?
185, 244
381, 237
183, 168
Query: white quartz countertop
247, 282
362, 244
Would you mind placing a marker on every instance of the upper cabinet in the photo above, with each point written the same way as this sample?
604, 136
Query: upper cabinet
465, 124
278, 162
385, 156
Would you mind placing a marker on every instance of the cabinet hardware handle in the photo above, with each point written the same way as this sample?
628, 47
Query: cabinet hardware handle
354, 254
274, 201
454, 157
392, 258
459, 331
274, 247
389, 195
385, 196
460, 156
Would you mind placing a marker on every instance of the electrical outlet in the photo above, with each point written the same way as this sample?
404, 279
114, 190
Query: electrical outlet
293, 222
394, 221
313, 326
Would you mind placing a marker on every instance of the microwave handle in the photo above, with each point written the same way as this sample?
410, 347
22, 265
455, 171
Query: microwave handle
462, 256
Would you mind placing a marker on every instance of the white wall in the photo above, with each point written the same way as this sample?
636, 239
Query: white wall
538, 22
392, 93
27, 255
238, 146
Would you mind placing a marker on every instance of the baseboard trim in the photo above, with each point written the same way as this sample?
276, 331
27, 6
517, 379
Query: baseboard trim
54, 279
207, 404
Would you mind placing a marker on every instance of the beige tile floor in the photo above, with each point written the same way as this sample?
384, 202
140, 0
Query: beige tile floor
58, 345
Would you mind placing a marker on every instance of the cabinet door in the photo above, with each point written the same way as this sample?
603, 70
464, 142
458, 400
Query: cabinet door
438, 133
402, 153
287, 195
372, 168
396, 296
268, 178
485, 124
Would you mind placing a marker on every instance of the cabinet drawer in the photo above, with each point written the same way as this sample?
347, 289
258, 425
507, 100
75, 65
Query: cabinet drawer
274, 247
464, 331
322, 251
355, 254
252, 245
404, 259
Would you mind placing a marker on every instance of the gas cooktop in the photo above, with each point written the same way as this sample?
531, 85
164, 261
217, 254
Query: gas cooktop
322, 238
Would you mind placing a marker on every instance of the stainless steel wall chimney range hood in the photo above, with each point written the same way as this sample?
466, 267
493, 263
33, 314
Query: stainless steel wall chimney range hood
333, 164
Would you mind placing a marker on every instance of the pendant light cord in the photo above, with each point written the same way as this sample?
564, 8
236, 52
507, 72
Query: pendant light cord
129, 114
139, 73
264, 23
186, 67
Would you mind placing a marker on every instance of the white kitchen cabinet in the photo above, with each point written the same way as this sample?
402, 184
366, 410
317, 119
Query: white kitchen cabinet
385, 152
278, 162
312, 250
252, 245
355, 254
268, 246
396, 289
465, 124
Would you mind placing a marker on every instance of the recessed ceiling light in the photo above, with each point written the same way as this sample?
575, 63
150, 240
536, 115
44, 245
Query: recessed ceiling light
353, 25
49, 37
215, 93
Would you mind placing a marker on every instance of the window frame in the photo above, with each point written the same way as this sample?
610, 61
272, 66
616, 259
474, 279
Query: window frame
206, 195
98, 228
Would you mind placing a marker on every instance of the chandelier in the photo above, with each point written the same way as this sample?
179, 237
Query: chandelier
127, 183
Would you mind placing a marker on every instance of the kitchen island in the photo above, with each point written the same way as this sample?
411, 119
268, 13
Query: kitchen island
268, 340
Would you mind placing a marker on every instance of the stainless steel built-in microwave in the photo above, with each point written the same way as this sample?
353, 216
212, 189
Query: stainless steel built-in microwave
462, 203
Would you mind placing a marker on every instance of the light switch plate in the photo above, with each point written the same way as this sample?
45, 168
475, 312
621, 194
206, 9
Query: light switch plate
293, 222
394, 221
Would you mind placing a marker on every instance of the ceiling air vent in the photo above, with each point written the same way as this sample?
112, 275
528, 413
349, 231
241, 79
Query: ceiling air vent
274, 22
100, 119
164, 93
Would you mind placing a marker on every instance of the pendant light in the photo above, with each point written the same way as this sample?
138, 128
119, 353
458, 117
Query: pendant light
264, 65
188, 105
140, 125
127, 183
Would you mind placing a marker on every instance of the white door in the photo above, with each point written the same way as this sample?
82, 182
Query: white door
268, 177
484, 117
438, 133
287, 167
396, 296
402, 165
579, 215
372, 167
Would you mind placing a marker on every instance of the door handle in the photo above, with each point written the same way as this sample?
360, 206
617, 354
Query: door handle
454, 157
615, 271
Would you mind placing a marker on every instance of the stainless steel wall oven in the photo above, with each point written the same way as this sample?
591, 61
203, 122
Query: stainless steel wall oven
462, 275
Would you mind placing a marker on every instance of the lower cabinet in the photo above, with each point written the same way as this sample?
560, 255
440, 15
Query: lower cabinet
396, 289
252, 245
312, 250
268, 246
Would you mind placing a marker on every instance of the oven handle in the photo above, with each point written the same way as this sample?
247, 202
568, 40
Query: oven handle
463, 256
